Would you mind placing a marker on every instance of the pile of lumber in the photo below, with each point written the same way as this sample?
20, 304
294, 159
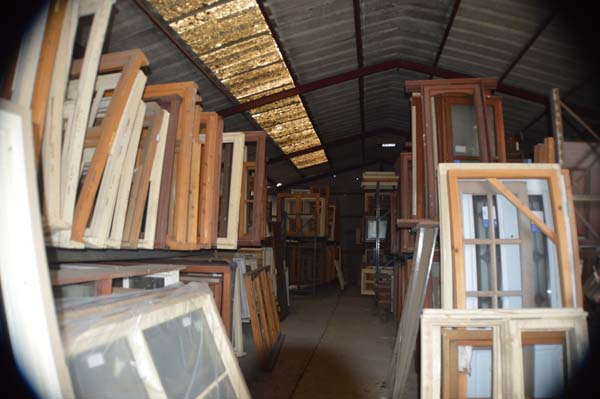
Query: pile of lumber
386, 180
122, 164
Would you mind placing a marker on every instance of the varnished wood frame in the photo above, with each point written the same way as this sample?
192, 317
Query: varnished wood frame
45, 71
173, 104
129, 63
211, 124
428, 90
177, 226
281, 197
253, 239
445, 151
264, 320
455, 382
507, 327
144, 191
168, 304
230, 241
453, 292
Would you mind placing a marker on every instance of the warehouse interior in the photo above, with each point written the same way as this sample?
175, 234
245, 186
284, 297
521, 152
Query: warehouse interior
300, 199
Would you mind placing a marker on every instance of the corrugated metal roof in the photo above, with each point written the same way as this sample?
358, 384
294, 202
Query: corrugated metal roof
406, 29
233, 39
318, 40
488, 35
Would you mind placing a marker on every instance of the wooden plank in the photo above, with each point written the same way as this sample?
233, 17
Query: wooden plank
28, 58
254, 321
210, 178
253, 238
53, 126
235, 186
75, 128
194, 191
147, 182
408, 328
70, 273
45, 70
172, 103
129, 128
125, 181
26, 295
109, 126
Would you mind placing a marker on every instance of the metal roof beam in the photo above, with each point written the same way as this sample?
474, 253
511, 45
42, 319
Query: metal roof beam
288, 64
329, 174
360, 62
528, 45
382, 67
567, 94
344, 140
446, 33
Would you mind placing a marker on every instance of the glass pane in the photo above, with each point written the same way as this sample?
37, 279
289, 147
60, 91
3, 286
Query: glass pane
223, 390
479, 377
484, 270
484, 303
481, 216
185, 355
544, 370
508, 267
464, 130
107, 371
510, 302
544, 257
506, 218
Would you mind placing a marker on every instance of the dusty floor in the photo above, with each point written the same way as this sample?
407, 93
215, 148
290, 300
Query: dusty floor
337, 345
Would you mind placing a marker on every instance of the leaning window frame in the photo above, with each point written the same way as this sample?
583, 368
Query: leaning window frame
506, 327
452, 250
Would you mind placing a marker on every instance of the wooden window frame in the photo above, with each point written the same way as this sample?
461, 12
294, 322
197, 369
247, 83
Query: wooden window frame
129, 63
54, 151
507, 328
26, 294
178, 192
428, 90
230, 241
445, 145
298, 197
168, 304
163, 177
145, 186
453, 292
253, 239
455, 381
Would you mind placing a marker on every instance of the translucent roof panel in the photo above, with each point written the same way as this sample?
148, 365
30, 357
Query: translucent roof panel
233, 39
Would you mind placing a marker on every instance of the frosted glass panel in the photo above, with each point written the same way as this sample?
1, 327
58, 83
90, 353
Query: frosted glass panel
185, 355
107, 371
464, 130
479, 380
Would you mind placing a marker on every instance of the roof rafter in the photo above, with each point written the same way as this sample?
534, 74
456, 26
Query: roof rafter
446, 33
382, 67
344, 140
528, 45
565, 95
329, 174
283, 53
360, 62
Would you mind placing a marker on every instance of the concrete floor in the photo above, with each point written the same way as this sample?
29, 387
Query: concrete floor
337, 345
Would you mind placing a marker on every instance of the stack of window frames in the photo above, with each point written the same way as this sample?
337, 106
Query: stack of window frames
512, 323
